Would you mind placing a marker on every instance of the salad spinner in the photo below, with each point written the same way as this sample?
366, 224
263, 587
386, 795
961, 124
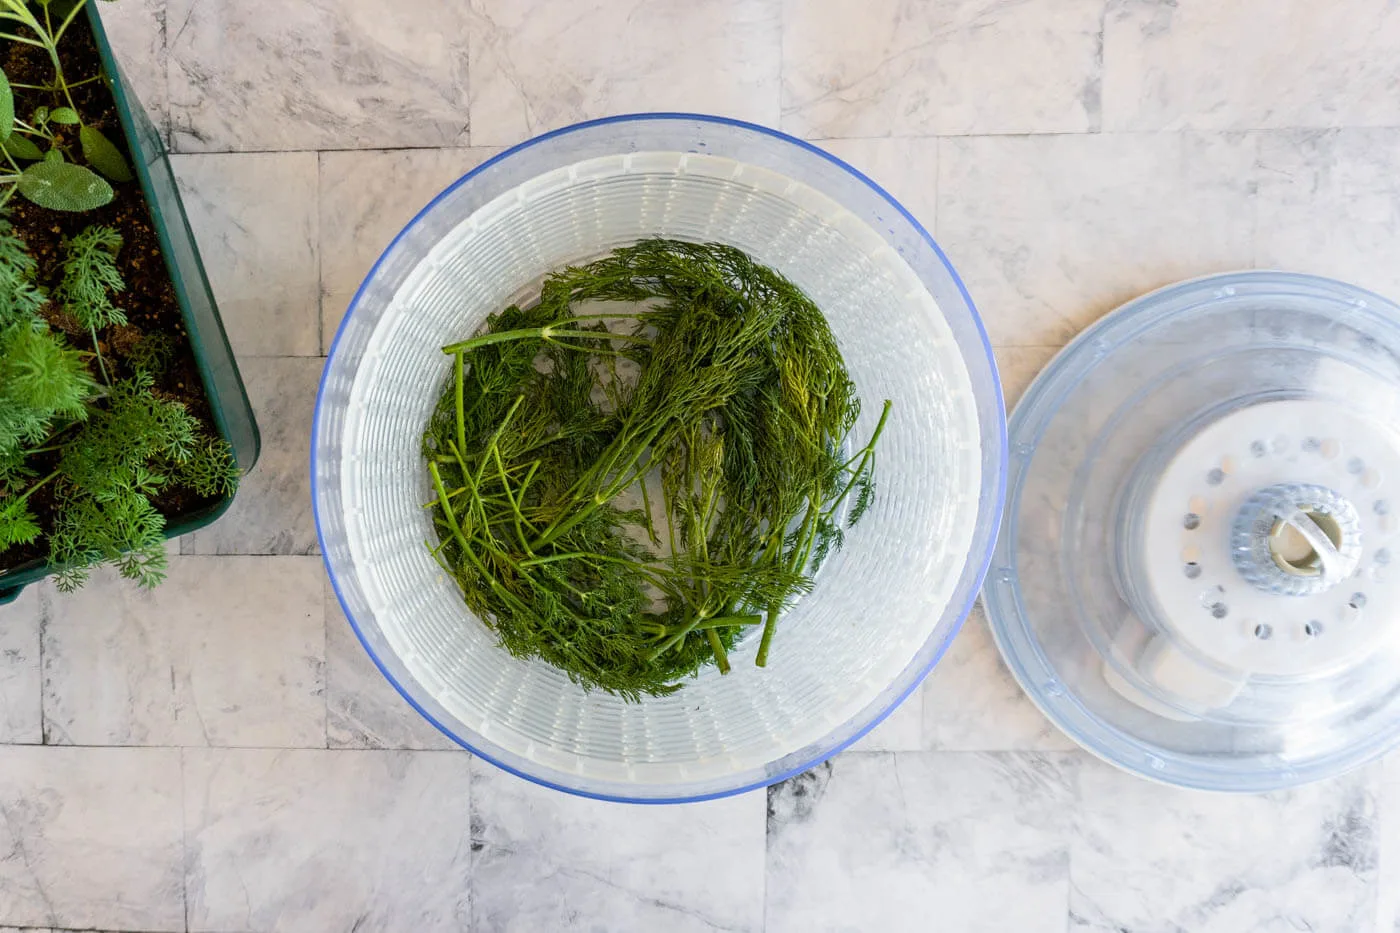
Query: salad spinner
883, 608
1196, 576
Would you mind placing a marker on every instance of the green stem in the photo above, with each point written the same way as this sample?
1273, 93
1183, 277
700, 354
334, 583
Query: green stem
717, 646
547, 332
14, 38
101, 365
72, 14
35, 488
447, 508
461, 406
770, 625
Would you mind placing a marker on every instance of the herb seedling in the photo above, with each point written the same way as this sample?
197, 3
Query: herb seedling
111, 445
732, 435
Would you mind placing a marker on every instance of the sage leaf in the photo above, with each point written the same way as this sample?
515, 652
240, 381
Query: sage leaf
63, 186
21, 147
102, 155
65, 115
53, 155
7, 108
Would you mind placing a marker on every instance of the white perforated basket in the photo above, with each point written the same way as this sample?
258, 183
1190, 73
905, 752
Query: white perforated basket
883, 609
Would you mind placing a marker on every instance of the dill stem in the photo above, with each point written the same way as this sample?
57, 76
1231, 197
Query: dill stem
461, 406
35, 488
770, 625
447, 508
547, 332
495, 439
600, 498
717, 646
514, 506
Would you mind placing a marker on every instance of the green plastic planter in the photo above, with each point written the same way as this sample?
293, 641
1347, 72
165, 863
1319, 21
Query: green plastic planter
233, 416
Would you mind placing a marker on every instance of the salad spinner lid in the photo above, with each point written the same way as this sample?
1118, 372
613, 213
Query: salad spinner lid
1196, 577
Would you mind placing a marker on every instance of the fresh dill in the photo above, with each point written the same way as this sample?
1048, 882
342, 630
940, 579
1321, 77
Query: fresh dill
111, 444
624, 503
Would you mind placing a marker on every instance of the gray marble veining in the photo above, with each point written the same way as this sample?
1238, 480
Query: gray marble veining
226, 652
545, 861
362, 709
21, 719
1067, 154
921, 840
909, 67
1328, 204
255, 219
326, 840
365, 198
1250, 64
272, 513
1050, 232
537, 65
91, 838
1158, 860
316, 74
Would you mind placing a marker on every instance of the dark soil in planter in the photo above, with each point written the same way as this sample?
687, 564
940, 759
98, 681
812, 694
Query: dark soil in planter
149, 300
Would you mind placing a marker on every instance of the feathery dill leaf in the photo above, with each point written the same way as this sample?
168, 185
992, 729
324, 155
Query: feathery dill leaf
90, 278
725, 408
113, 449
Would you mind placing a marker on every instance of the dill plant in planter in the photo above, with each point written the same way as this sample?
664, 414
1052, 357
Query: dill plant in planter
123, 420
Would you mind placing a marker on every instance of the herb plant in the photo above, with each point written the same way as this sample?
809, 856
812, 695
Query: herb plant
109, 444
52, 178
624, 503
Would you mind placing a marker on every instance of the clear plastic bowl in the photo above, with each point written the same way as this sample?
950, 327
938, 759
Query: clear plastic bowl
884, 608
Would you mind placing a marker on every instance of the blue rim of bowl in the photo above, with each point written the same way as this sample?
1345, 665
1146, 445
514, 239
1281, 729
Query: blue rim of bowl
983, 561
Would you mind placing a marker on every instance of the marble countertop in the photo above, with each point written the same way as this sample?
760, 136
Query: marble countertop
219, 755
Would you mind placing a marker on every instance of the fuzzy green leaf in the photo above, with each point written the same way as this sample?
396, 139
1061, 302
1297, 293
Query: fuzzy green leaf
54, 155
62, 186
102, 155
41, 115
7, 108
65, 115
22, 148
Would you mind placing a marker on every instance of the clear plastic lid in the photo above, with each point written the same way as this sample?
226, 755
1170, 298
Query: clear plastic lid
1196, 574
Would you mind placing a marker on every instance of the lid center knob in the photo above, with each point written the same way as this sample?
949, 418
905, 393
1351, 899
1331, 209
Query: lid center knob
1296, 539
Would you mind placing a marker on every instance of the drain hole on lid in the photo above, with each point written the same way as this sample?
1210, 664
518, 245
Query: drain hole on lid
1356, 465
1191, 522
1192, 570
1258, 448
1381, 507
1220, 610
1263, 631
1382, 557
1215, 477
1357, 600
1312, 629
1312, 444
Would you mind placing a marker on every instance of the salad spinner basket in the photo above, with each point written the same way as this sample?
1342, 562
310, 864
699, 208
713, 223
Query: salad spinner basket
884, 607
